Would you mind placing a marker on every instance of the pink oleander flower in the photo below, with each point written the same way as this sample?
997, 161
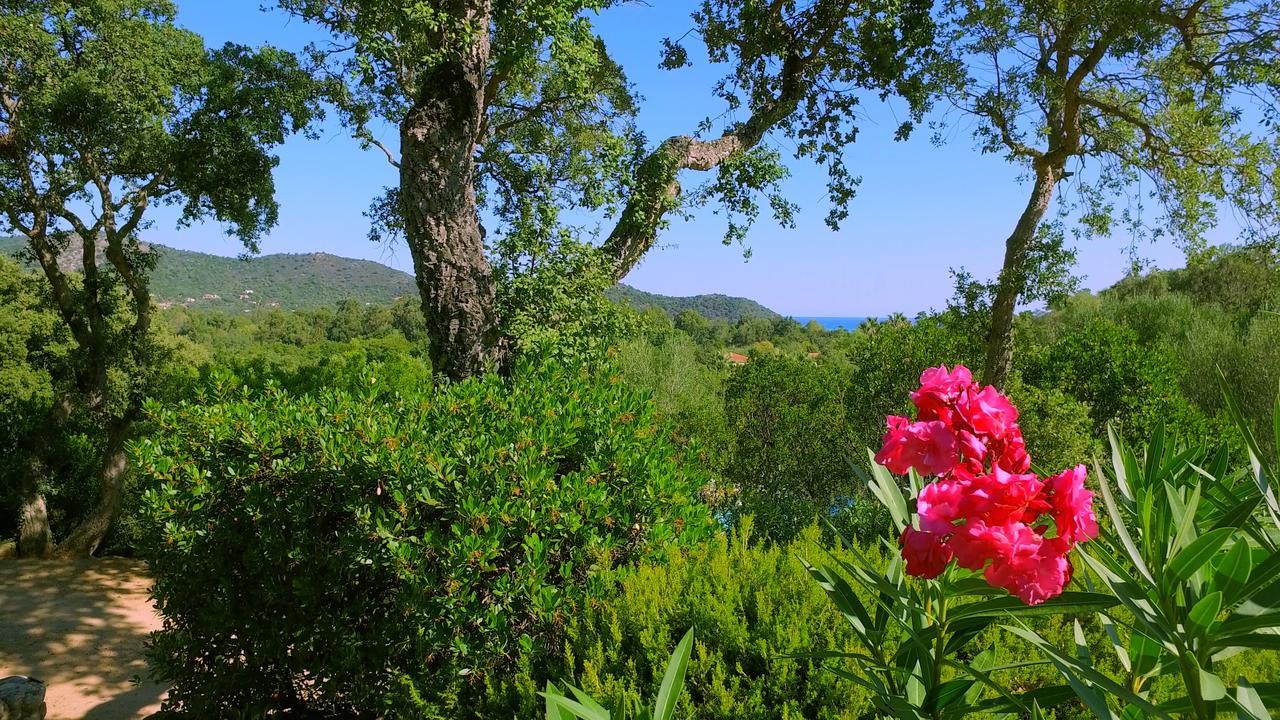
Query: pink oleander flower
925, 553
929, 447
973, 545
987, 411
940, 502
1071, 506
1012, 454
985, 510
1033, 567
1000, 497
939, 391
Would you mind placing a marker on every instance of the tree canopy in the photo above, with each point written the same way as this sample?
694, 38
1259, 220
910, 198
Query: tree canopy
108, 108
1172, 102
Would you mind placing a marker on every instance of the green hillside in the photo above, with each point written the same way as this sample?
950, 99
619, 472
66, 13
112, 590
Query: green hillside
296, 282
291, 281
715, 306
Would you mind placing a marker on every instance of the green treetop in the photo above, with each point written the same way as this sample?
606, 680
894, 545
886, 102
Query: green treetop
108, 108
1167, 100
519, 109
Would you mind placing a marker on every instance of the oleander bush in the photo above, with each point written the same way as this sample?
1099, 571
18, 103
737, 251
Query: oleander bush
384, 551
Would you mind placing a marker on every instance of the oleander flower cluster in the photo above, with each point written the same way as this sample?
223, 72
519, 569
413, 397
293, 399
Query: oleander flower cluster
986, 510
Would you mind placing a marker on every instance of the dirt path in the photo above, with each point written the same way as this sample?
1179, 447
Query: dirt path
79, 626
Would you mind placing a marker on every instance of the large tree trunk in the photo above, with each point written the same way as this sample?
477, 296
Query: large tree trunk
35, 539
438, 139
1013, 278
84, 540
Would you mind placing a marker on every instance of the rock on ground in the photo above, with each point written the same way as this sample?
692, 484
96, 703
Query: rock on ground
21, 698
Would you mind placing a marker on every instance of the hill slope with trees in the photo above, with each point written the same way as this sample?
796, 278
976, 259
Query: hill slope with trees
319, 280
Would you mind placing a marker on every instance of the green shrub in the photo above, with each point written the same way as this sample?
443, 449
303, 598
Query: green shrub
749, 603
786, 415
1056, 427
379, 552
1102, 364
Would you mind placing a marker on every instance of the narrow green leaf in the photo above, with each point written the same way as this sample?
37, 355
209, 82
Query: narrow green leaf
1068, 603
1264, 638
1118, 526
589, 702
554, 710
1204, 615
1232, 572
1200, 551
1144, 654
673, 680
567, 708
1211, 686
846, 601
1248, 700
949, 692
1187, 520
1120, 461
886, 490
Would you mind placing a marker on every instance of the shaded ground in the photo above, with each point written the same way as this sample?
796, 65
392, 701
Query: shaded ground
79, 626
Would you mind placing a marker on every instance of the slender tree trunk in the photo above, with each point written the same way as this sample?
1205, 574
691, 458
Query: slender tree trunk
438, 139
84, 540
1013, 278
35, 539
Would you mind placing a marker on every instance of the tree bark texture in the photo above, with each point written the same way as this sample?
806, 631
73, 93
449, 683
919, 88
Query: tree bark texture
35, 539
1013, 278
442, 224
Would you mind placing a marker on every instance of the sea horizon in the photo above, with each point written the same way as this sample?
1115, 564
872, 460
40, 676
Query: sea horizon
832, 322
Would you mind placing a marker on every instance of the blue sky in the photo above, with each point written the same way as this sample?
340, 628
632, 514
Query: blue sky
920, 211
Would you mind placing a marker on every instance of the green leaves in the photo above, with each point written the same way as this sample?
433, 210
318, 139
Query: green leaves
1193, 557
473, 516
558, 707
673, 680
1180, 560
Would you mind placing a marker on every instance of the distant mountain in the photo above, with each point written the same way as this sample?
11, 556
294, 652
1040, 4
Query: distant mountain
722, 307
293, 281
297, 282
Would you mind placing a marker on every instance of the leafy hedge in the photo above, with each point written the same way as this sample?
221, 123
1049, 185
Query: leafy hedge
751, 604
381, 552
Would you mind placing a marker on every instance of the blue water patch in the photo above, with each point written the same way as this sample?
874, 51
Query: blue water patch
832, 323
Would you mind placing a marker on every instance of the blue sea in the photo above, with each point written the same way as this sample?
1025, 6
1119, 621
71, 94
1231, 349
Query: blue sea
832, 323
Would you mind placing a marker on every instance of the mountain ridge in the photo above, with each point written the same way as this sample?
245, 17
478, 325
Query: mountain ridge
301, 281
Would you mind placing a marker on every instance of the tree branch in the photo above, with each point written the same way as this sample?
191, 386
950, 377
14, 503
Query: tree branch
657, 190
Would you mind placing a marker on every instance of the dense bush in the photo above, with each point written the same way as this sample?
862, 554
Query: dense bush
1055, 426
376, 552
749, 603
1102, 364
786, 416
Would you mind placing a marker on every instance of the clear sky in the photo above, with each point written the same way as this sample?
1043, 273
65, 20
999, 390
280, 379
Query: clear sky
920, 211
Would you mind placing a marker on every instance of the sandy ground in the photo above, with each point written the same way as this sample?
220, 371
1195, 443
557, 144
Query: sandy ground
79, 626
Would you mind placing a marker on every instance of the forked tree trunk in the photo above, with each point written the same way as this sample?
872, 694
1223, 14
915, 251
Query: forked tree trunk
438, 139
1013, 278
84, 540
35, 539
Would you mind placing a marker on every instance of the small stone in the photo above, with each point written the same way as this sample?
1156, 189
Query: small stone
21, 698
